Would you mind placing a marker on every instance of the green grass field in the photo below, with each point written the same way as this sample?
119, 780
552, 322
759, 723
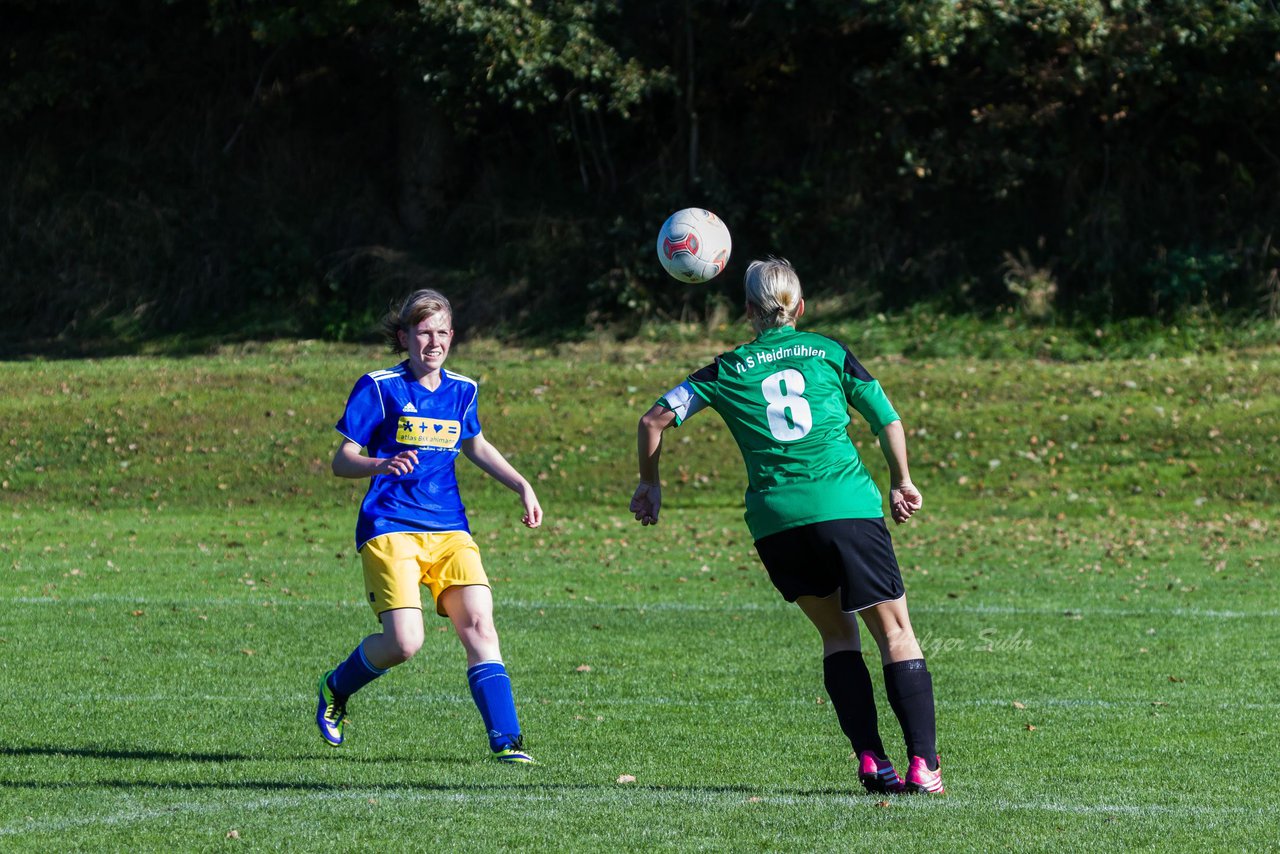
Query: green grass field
1092, 578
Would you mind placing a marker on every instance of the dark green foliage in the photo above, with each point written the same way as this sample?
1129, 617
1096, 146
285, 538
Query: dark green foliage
255, 168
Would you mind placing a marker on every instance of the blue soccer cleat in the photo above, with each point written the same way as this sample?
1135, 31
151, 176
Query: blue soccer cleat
514, 754
331, 713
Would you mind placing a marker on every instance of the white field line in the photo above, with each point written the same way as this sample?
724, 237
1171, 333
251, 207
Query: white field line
558, 799
681, 607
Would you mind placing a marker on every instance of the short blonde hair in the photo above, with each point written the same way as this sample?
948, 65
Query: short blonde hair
773, 290
411, 311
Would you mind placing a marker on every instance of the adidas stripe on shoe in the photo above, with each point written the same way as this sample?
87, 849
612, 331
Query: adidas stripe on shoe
878, 775
922, 781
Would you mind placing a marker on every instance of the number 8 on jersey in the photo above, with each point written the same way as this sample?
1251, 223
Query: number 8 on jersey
788, 412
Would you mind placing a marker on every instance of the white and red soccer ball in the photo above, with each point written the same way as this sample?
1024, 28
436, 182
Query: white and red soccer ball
694, 245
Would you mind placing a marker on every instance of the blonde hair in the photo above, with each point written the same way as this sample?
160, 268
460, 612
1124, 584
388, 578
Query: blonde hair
773, 291
411, 311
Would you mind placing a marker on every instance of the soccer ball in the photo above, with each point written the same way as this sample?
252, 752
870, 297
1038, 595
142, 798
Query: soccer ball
694, 245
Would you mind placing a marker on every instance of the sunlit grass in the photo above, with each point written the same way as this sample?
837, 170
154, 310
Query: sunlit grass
1090, 579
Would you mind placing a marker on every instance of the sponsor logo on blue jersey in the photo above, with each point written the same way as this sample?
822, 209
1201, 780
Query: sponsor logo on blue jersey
428, 432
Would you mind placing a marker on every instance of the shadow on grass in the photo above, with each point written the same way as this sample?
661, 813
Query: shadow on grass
475, 787
128, 755
529, 784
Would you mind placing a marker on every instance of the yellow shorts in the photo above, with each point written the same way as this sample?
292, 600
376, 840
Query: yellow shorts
395, 564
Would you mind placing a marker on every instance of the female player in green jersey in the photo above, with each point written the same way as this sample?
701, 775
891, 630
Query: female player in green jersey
814, 510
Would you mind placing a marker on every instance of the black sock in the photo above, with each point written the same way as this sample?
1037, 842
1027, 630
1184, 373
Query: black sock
849, 686
910, 690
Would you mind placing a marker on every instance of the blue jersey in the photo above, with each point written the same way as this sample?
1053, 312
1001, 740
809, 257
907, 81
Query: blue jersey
389, 412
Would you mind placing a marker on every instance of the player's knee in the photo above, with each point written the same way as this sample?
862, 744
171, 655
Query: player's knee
404, 646
482, 632
479, 637
894, 632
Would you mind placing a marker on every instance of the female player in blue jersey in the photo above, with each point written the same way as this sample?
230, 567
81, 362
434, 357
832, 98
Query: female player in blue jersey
412, 420
814, 511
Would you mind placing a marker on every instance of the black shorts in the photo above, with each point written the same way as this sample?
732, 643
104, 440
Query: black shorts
854, 556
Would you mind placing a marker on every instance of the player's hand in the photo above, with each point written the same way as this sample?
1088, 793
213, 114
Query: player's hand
532, 517
646, 503
401, 463
904, 501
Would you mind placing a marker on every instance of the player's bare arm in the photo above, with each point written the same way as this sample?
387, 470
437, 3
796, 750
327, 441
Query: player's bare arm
348, 461
490, 460
647, 500
904, 498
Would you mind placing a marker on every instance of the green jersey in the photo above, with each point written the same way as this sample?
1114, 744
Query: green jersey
785, 397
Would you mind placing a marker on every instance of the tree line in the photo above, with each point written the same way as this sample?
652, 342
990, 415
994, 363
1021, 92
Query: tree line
285, 168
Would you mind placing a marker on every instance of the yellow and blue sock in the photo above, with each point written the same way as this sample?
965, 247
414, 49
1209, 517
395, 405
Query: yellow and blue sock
491, 690
354, 673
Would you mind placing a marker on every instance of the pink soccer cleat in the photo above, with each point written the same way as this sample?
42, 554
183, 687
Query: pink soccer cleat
922, 781
878, 775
